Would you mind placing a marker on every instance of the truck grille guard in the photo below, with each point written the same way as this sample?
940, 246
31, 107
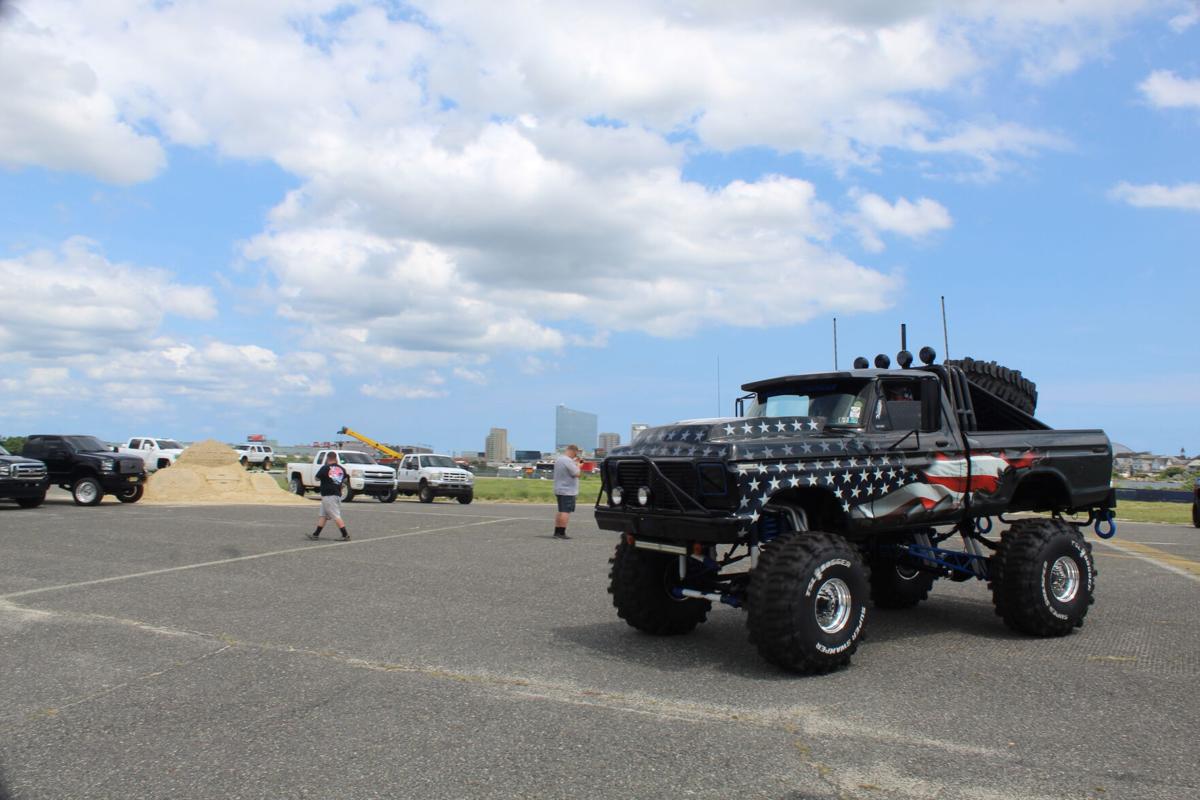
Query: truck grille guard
678, 494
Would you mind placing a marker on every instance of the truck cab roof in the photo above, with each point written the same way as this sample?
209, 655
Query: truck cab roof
867, 374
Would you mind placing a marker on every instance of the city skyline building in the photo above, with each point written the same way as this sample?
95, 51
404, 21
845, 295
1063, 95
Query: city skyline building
495, 447
572, 426
607, 441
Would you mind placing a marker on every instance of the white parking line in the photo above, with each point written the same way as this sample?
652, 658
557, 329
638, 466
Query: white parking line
302, 549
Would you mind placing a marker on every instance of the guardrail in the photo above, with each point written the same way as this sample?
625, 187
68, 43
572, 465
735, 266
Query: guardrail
1154, 495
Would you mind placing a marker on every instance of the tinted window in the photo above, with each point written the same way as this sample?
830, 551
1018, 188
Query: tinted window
85, 444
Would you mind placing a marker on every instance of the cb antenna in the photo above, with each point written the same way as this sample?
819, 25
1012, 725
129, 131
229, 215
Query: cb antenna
945, 331
835, 344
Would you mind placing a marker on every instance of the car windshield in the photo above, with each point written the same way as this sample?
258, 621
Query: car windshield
4, 452
355, 458
169, 444
86, 444
438, 461
841, 403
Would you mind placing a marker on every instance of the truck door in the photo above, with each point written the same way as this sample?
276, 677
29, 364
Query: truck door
917, 474
54, 451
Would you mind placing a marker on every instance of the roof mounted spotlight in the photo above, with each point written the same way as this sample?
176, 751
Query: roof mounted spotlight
882, 361
904, 359
928, 355
861, 363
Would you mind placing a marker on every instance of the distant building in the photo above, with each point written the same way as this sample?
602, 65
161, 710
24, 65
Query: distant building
574, 427
635, 429
527, 456
496, 446
608, 441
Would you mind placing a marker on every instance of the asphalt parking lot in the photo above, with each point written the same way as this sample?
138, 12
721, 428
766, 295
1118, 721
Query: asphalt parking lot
456, 651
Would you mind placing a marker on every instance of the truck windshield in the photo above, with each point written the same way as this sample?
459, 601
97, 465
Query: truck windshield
4, 452
438, 461
842, 403
355, 458
86, 444
169, 444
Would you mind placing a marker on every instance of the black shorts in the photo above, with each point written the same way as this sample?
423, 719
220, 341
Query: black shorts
566, 503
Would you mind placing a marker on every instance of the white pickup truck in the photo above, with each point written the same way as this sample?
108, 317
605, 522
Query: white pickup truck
429, 475
366, 476
156, 451
255, 454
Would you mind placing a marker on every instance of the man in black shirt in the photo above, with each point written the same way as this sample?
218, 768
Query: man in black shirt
331, 475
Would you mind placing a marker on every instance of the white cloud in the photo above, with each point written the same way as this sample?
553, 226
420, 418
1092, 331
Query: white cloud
510, 177
55, 111
1182, 197
904, 217
471, 375
75, 301
1165, 89
1185, 19
400, 391
990, 147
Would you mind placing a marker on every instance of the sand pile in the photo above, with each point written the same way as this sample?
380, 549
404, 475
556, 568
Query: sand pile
209, 472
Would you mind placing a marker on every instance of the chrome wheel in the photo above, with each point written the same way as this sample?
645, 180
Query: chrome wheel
1064, 579
87, 492
832, 610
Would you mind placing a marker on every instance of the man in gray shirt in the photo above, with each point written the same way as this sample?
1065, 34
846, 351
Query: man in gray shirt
566, 488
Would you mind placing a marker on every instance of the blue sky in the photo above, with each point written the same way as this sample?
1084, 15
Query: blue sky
429, 221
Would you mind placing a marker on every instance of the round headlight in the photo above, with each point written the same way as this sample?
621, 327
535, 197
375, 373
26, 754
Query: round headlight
617, 495
643, 495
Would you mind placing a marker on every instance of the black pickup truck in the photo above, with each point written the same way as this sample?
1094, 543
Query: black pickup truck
22, 479
832, 489
88, 468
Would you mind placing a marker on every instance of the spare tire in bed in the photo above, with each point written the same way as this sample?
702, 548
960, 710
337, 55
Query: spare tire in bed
1007, 384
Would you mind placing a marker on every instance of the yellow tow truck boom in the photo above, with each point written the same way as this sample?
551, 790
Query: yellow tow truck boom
380, 446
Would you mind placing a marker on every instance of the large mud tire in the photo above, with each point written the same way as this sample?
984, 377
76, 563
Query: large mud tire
896, 585
1043, 577
1007, 384
132, 495
31, 502
807, 608
1196, 514
640, 583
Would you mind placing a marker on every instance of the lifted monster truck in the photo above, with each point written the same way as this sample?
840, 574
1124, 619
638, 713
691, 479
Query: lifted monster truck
88, 468
835, 488
23, 480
